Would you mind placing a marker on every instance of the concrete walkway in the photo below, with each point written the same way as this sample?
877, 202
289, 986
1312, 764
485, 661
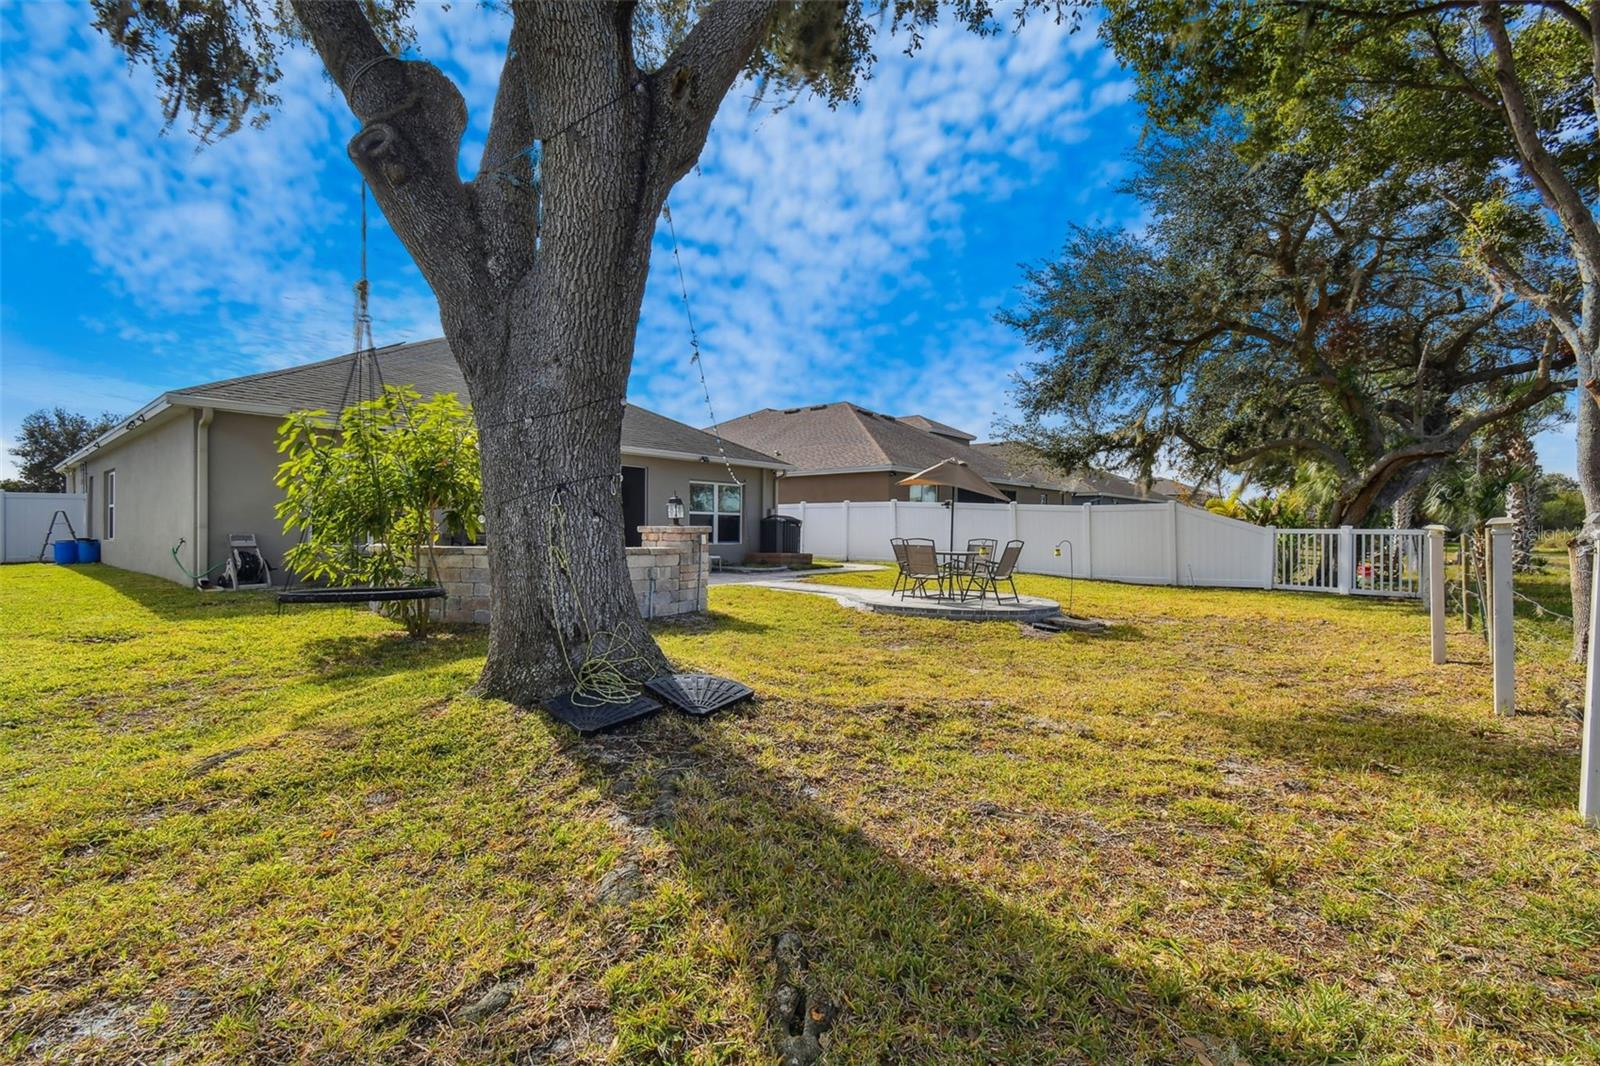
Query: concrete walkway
758, 577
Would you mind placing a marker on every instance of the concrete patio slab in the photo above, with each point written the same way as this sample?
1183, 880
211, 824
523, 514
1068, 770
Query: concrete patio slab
882, 601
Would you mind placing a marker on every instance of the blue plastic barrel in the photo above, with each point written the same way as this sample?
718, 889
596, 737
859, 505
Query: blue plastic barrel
66, 552
88, 550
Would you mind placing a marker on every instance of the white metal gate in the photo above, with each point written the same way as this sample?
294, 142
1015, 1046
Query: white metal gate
1389, 562
1362, 562
1307, 560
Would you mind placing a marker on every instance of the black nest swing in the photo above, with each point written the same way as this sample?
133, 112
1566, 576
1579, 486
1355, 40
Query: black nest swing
360, 594
365, 381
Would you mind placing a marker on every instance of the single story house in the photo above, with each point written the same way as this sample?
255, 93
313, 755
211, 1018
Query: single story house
197, 464
842, 451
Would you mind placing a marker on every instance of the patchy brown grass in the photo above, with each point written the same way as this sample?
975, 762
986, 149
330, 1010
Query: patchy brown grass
1241, 826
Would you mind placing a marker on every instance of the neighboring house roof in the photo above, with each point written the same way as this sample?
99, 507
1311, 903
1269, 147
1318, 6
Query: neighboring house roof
1080, 483
1177, 490
941, 428
840, 438
431, 369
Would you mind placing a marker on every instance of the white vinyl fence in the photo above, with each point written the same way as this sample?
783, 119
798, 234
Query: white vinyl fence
1146, 543
25, 517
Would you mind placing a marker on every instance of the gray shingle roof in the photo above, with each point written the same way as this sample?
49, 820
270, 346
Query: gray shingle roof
1020, 456
943, 429
842, 436
431, 369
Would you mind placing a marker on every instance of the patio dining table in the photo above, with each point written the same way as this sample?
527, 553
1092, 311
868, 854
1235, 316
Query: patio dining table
956, 561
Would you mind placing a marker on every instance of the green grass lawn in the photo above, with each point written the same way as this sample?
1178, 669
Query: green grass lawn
1242, 826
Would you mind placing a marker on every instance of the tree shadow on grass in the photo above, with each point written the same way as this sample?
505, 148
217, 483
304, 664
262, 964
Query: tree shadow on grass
921, 968
380, 654
174, 602
1451, 755
712, 620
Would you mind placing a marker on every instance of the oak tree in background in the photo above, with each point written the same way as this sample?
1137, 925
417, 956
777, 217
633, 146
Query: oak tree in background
1254, 327
539, 262
45, 439
1492, 106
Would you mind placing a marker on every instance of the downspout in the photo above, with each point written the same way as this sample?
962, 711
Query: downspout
202, 491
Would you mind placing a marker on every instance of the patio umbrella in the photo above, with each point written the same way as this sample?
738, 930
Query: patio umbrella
958, 475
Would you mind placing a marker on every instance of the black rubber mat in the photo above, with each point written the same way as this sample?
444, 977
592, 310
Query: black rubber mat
586, 719
698, 694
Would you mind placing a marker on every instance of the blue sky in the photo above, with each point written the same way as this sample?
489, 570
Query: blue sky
855, 254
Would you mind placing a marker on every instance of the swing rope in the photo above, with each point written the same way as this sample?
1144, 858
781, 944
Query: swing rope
364, 385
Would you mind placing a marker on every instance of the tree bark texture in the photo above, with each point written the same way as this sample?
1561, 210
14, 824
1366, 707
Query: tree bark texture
1404, 509
1565, 199
1582, 556
539, 267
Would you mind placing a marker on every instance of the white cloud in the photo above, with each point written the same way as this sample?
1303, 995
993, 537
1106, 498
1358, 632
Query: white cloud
813, 239
235, 235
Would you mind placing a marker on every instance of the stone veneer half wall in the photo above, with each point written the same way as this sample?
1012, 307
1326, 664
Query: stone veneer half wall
670, 571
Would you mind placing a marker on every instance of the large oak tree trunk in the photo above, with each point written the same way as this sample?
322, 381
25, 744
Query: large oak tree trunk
548, 391
539, 267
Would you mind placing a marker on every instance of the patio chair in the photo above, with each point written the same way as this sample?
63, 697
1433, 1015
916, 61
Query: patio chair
987, 577
922, 566
898, 546
987, 545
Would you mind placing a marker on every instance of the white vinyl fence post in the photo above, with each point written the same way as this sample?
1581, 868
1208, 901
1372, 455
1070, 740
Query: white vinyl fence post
1501, 643
1013, 516
804, 536
894, 518
1172, 542
1589, 765
1272, 558
1347, 560
845, 511
1088, 542
1436, 607
5, 558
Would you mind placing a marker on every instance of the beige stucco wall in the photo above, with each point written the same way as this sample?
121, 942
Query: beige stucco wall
157, 501
833, 488
155, 496
665, 477
244, 460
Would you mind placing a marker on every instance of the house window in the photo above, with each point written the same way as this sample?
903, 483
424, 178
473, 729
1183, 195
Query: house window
721, 507
111, 503
924, 494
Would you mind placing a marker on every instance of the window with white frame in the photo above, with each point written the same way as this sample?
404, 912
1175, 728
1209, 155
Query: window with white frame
111, 503
719, 506
924, 494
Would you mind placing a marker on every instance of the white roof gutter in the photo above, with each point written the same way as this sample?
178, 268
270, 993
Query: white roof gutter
692, 457
128, 425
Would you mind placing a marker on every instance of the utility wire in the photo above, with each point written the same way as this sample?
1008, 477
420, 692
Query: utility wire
694, 342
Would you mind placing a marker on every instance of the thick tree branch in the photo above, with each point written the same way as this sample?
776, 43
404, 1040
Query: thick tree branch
412, 119
1564, 199
506, 183
1280, 445
690, 85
